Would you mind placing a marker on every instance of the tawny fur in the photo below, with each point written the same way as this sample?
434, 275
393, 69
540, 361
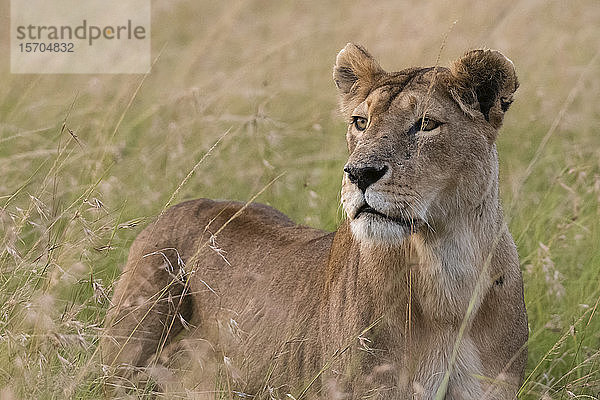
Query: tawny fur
216, 299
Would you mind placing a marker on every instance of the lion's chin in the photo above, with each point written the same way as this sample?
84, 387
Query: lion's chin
369, 228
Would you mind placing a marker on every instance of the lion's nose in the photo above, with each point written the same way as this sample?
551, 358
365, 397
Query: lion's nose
363, 177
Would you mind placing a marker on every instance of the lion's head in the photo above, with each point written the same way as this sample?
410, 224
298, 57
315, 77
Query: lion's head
421, 141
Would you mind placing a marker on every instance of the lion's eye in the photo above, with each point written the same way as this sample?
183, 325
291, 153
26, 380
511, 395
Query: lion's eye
359, 123
426, 124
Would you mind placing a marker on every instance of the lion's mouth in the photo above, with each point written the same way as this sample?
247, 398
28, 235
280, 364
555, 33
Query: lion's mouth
367, 209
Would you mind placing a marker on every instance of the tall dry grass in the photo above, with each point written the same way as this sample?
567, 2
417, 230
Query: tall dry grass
87, 160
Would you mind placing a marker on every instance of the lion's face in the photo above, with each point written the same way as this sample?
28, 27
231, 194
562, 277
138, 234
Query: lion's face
421, 141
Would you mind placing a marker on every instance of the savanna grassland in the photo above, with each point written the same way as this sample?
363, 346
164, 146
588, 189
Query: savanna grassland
240, 99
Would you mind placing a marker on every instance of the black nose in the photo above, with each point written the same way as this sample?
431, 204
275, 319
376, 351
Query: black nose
363, 177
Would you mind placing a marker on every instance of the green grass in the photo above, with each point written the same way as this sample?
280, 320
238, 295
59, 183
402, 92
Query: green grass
261, 71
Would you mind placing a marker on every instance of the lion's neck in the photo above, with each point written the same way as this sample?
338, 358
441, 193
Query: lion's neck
438, 271
419, 295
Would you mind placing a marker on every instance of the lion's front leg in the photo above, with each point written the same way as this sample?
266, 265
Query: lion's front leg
448, 372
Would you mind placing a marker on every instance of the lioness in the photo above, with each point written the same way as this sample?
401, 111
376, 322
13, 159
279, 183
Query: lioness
418, 295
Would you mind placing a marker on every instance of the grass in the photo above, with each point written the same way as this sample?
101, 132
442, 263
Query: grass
87, 160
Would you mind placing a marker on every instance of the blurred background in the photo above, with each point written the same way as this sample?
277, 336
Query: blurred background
87, 160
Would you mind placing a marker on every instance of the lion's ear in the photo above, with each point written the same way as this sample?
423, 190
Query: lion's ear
484, 81
354, 73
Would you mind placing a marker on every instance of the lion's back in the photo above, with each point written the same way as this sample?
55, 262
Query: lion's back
253, 273
195, 224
